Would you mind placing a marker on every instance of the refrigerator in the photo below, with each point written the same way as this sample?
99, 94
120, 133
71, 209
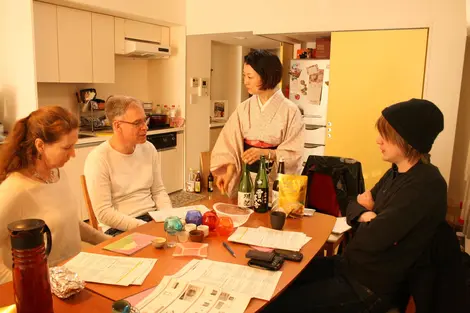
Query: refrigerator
308, 88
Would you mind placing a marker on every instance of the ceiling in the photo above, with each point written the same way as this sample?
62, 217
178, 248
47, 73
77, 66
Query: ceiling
245, 39
271, 41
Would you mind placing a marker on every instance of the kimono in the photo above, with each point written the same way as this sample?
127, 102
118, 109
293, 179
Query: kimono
277, 126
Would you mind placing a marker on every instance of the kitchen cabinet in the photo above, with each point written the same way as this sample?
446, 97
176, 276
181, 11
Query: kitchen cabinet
173, 166
103, 48
142, 31
165, 36
75, 45
45, 37
119, 44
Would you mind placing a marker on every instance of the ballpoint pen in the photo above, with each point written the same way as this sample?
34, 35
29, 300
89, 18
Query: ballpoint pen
229, 249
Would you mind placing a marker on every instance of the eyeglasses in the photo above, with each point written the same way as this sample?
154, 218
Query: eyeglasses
138, 123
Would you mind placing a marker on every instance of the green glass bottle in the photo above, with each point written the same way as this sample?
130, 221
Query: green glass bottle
245, 189
261, 192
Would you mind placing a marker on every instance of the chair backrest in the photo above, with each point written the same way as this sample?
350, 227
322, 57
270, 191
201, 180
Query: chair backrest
91, 213
205, 159
332, 182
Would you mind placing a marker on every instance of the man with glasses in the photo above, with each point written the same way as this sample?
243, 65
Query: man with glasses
123, 174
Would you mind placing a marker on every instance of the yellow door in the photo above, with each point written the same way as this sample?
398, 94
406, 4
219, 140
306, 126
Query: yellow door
369, 71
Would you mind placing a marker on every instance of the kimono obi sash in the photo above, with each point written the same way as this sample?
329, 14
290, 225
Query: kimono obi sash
247, 144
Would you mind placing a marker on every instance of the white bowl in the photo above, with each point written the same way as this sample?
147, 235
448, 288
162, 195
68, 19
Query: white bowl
239, 216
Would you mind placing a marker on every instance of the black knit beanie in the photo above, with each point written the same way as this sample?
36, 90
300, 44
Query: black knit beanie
417, 121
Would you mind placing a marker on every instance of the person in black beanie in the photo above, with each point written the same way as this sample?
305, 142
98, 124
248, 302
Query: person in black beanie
394, 223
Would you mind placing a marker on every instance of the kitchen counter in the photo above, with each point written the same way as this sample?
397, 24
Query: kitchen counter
103, 136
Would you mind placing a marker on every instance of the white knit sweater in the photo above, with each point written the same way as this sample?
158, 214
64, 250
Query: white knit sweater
22, 198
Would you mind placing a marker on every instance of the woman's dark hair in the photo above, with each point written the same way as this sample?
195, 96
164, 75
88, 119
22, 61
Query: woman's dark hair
48, 123
267, 65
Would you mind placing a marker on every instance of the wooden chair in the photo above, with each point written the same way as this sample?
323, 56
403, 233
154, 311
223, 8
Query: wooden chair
91, 213
205, 164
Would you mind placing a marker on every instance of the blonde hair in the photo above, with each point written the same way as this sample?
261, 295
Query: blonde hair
390, 134
117, 106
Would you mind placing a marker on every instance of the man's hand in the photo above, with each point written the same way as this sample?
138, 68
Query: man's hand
365, 199
367, 217
222, 182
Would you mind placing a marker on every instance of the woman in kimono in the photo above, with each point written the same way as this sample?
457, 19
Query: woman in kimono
267, 124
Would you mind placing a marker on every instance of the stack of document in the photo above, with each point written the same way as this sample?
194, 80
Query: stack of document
160, 216
270, 238
341, 226
112, 270
176, 295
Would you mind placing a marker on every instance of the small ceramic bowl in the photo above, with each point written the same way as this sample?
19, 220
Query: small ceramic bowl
159, 242
196, 235
205, 229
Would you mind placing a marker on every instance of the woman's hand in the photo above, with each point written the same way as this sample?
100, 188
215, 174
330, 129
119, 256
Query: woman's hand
366, 200
367, 217
222, 182
252, 155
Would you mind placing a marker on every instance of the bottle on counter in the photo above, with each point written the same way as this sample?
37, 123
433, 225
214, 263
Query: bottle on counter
210, 182
275, 194
261, 191
190, 182
197, 183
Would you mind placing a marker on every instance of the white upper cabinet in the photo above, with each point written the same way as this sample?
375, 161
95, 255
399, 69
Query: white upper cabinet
45, 37
103, 48
75, 45
119, 46
142, 31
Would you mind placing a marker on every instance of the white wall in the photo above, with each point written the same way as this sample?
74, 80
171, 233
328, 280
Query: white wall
131, 78
167, 77
446, 20
226, 64
163, 12
198, 64
462, 137
17, 68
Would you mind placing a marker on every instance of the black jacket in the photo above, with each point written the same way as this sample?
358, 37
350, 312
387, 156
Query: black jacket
409, 207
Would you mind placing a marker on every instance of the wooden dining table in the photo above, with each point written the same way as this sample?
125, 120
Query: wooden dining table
84, 301
318, 226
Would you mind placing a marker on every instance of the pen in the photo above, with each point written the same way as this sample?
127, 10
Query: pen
229, 249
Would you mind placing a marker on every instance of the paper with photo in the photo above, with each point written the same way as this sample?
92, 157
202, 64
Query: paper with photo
174, 295
160, 216
230, 277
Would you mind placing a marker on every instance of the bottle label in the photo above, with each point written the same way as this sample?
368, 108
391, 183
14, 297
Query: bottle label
245, 200
275, 198
210, 188
260, 200
197, 186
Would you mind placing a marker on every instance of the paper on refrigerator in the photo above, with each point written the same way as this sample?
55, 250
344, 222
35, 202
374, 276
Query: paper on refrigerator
160, 216
175, 295
229, 277
270, 238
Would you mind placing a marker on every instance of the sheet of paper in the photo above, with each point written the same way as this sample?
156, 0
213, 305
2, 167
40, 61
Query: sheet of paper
270, 238
105, 269
175, 295
160, 216
230, 277
341, 226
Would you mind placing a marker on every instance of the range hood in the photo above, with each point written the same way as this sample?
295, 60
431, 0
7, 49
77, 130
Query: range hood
145, 49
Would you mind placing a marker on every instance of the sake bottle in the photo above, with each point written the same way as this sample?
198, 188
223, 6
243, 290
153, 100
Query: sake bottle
197, 183
280, 170
261, 192
210, 182
245, 189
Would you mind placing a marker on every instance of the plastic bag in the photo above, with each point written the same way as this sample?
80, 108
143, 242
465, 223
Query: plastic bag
292, 194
